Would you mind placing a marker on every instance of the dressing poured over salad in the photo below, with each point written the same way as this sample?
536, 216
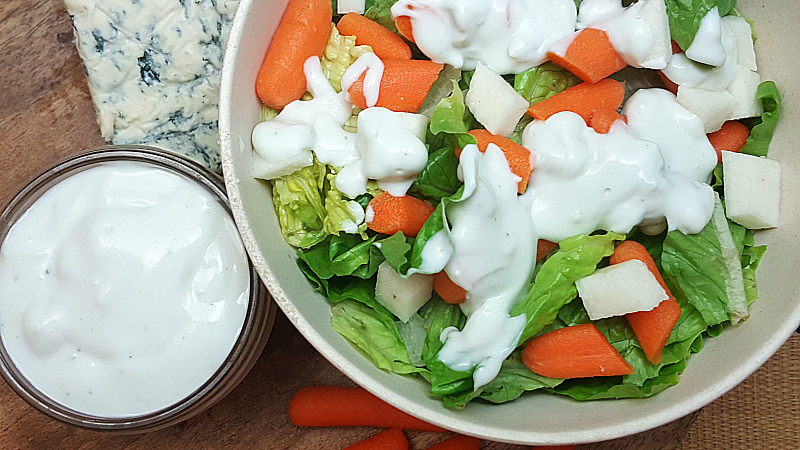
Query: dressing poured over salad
503, 196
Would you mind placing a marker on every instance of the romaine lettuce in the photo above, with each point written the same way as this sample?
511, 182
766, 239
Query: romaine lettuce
764, 127
685, 16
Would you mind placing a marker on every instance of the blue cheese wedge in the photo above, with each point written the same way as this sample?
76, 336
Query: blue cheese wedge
153, 68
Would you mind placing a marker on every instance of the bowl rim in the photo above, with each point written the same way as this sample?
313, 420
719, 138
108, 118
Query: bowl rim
678, 410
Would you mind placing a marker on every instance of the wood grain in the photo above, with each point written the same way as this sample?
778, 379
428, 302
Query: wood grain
46, 113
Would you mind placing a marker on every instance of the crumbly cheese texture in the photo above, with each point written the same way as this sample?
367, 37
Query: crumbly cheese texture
153, 68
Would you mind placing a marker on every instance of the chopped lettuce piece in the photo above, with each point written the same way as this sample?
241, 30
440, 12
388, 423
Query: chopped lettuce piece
554, 286
543, 82
396, 249
764, 128
685, 16
298, 202
439, 178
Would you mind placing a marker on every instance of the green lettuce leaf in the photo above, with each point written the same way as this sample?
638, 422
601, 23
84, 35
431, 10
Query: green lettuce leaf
543, 82
554, 286
685, 16
297, 199
396, 249
439, 178
376, 336
764, 128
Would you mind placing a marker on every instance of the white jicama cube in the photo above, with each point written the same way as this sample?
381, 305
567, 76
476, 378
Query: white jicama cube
654, 14
493, 102
712, 107
402, 296
744, 87
743, 35
752, 189
620, 289
347, 6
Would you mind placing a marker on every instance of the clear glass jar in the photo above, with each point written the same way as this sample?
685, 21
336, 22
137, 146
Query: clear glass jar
246, 349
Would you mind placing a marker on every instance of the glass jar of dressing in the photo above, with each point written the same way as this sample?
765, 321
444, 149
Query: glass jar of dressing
127, 301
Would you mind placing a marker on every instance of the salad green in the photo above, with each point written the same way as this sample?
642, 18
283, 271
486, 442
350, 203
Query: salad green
711, 273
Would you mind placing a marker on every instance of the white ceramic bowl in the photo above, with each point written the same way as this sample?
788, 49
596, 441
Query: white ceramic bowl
532, 419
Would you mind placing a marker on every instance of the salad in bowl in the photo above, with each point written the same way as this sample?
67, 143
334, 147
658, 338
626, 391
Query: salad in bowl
510, 201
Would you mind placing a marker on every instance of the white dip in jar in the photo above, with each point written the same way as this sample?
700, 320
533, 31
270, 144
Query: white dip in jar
123, 289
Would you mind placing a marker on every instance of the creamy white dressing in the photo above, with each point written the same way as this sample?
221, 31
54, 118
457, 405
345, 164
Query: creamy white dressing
639, 32
707, 47
509, 36
686, 72
494, 252
387, 146
122, 289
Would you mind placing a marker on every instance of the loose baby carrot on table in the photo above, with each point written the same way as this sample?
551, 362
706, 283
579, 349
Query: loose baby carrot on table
403, 24
652, 328
590, 56
574, 352
602, 119
390, 214
302, 33
384, 43
447, 289
583, 99
518, 157
333, 406
458, 442
404, 85
388, 439
731, 137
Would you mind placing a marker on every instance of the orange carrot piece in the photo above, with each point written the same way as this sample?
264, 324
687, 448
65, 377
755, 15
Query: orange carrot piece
403, 87
543, 248
302, 33
652, 328
602, 119
458, 442
574, 352
518, 157
590, 56
583, 99
448, 289
391, 214
388, 439
403, 24
731, 137
336, 406
384, 43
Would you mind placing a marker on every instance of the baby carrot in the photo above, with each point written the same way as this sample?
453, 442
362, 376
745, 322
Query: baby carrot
458, 442
543, 248
574, 352
302, 33
403, 24
334, 406
388, 439
404, 85
602, 119
384, 43
590, 56
447, 289
652, 328
518, 157
391, 214
731, 137
583, 99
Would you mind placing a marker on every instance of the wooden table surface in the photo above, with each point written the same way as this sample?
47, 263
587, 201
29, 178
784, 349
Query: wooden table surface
46, 114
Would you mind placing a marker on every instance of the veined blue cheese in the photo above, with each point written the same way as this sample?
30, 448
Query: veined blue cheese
153, 68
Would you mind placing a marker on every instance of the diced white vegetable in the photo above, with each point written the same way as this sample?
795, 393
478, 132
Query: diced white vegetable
416, 124
654, 14
743, 35
493, 102
752, 189
743, 88
346, 6
402, 296
620, 289
712, 107
269, 170
707, 45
